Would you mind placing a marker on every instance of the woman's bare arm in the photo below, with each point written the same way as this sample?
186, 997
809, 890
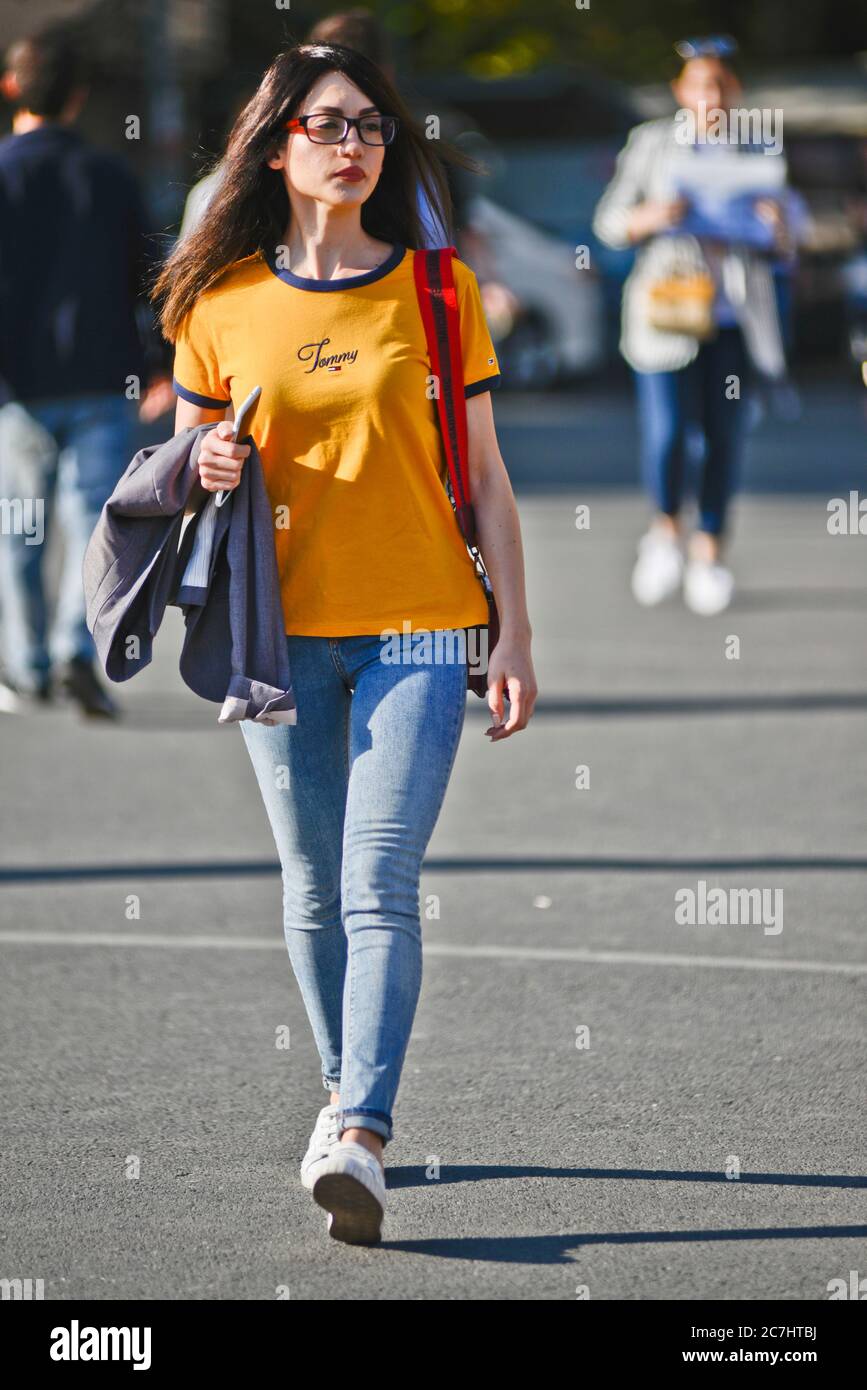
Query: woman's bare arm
187, 415
499, 535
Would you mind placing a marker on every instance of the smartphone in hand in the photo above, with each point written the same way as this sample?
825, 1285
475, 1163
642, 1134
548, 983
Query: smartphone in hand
238, 427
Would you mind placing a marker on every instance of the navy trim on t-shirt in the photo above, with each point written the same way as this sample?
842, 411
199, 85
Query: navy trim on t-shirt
349, 282
207, 402
476, 388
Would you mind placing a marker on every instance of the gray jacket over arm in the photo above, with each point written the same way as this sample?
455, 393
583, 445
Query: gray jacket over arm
219, 568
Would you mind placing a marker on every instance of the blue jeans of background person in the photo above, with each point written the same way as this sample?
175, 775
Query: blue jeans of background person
67, 452
353, 792
669, 403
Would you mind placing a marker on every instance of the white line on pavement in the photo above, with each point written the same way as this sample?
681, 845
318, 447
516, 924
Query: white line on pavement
435, 948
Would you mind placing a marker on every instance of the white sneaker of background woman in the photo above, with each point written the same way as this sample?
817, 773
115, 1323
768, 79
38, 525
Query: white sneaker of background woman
707, 587
659, 568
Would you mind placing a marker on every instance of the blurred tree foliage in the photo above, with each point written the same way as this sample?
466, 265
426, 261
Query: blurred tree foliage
626, 39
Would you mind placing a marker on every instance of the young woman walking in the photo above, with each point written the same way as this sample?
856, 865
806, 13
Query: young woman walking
300, 279
687, 372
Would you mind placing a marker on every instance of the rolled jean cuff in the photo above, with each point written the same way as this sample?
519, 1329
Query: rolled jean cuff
331, 1083
363, 1118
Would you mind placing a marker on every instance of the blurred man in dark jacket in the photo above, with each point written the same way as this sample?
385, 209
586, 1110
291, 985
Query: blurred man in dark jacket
80, 360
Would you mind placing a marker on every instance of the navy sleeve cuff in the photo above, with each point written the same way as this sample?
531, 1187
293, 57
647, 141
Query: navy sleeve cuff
206, 402
475, 388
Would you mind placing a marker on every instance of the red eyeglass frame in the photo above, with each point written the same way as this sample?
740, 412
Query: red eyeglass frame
300, 123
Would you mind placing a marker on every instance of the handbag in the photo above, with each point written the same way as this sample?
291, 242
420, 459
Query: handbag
438, 302
682, 303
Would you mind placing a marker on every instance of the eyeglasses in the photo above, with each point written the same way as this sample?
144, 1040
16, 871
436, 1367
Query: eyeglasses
324, 129
714, 46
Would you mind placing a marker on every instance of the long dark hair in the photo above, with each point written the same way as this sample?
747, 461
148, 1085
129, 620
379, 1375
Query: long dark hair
250, 211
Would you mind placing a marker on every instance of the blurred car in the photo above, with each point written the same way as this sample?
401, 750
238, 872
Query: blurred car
549, 326
548, 140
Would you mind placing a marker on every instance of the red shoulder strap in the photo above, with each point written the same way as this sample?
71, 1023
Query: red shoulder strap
438, 302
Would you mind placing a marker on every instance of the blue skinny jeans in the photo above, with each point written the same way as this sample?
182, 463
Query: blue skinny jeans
669, 403
353, 792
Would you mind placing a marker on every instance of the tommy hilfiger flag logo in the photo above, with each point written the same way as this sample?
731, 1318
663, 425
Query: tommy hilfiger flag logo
325, 361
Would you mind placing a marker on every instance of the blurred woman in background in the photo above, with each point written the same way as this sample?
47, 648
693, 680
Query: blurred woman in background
700, 313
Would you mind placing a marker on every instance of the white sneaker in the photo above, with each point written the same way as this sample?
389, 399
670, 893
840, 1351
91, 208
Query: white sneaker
325, 1135
350, 1186
659, 568
707, 588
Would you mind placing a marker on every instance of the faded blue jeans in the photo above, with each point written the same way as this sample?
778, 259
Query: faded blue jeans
353, 791
62, 454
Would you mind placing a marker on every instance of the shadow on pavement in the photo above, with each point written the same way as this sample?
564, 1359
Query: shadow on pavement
554, 1249
246, 868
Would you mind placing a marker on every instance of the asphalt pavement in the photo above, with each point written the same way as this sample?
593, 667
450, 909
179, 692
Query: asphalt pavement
599, 1097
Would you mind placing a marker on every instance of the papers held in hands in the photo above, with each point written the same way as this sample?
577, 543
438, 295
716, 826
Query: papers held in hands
722, 187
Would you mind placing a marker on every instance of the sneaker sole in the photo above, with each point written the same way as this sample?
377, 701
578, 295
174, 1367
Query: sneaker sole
708, 612
355, 1216
650, 600
308, 1175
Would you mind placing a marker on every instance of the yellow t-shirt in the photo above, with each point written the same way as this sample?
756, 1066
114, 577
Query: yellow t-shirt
366, 537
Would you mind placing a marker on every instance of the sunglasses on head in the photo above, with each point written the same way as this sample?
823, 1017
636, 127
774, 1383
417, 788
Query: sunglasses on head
713, 46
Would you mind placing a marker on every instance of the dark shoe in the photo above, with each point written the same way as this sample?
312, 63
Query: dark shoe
16, 698
79, 682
